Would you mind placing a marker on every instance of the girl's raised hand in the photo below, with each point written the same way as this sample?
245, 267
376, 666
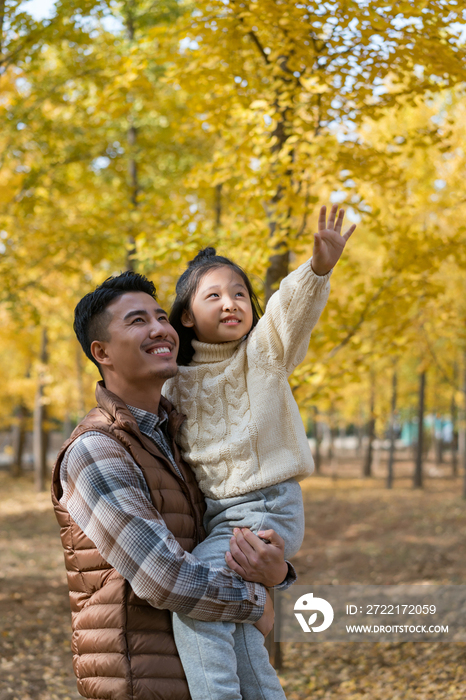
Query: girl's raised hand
328, 241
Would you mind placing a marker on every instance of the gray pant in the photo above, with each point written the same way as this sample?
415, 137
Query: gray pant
224, 660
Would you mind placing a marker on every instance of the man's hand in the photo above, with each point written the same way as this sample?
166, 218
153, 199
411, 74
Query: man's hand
328, 241
265, 623
256, 560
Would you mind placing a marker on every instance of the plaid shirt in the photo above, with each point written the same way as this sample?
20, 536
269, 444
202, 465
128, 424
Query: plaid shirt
156, 427
107, 496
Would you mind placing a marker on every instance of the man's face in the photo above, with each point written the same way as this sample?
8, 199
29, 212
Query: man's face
142, 345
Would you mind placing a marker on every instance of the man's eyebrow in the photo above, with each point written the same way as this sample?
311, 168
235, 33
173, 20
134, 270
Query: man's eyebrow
136, 312
142, 312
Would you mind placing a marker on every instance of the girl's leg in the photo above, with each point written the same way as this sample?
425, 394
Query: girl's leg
208, 656
258, 679
207, 649
285, 515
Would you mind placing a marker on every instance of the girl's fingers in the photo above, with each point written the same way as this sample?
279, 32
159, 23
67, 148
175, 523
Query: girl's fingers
331, 216
334, 223
349, 232
321, 223
339, 223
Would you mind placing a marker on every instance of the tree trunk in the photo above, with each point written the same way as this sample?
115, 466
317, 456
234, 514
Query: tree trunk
391, 454
277, 270
367, 466
278, 656
412, 423
359, 430
318, 438
131, 139
39, 433
218, 206
454, 436
67, 426
18, 436
2, 20
279, 261
79, 379
332, 457
134, 189
417, 481
464, 427
330, 444
438, 439
342, 443
273, 647
360, 434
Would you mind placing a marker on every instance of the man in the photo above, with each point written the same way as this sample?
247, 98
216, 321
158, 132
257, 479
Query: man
130, 512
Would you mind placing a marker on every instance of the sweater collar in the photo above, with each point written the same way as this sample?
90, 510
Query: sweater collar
213, 352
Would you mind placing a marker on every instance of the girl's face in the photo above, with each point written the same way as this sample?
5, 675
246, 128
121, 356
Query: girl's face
221, 309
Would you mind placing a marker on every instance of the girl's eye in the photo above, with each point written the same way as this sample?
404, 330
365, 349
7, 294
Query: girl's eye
214, 294
239, 294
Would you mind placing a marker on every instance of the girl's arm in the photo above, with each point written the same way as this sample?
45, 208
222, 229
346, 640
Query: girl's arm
282, 335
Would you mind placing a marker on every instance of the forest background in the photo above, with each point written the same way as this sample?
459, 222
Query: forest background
134, 133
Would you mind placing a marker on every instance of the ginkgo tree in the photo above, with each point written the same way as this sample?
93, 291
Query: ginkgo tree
283, 88
134, 134
76, 187
393, 298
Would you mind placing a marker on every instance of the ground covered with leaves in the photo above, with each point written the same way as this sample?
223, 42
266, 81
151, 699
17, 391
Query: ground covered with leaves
35, 656
357, 532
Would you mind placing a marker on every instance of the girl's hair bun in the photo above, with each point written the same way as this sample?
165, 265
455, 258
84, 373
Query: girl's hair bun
202, 256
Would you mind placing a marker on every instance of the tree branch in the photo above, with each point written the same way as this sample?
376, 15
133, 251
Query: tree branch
445, 376
258, 45
362, 318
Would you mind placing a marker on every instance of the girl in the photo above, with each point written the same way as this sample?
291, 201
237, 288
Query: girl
243, 435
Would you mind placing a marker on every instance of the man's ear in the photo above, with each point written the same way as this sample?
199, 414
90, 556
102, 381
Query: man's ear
99, 352
187, 319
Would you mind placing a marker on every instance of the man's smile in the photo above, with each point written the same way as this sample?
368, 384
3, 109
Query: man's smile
159, 351
164, 348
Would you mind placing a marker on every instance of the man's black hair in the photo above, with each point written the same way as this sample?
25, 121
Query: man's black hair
91, 317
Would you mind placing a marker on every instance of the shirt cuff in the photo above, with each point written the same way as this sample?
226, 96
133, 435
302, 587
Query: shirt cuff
257, 596
322, 278
291, 578
252, 593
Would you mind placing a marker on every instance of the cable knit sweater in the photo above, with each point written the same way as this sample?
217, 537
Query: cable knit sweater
243, 430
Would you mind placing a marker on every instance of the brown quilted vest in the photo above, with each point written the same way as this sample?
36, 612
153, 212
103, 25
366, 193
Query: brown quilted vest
123, 648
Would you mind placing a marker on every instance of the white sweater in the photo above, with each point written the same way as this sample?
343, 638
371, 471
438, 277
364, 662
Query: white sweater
243, 430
